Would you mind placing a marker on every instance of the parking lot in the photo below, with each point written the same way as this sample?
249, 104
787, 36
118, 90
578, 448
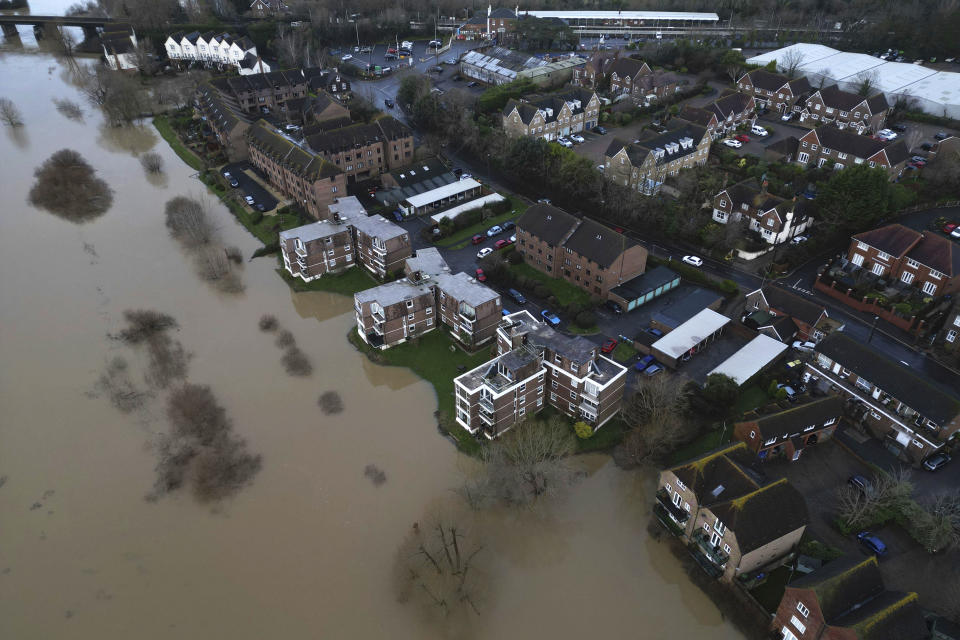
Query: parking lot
250, 187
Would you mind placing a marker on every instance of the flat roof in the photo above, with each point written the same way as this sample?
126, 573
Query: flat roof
690, 333
377, 227
314, 230
842, 65
810, 53
467, 206
393, 292
465, 288
750, 359
447, 190
348, 207
644, 283
624, 15
942, 87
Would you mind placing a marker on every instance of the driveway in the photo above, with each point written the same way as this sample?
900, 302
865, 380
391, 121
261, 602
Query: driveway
249, 186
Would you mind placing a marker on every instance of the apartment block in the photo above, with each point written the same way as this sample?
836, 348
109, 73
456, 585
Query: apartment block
646, 163
382, 246
553, 116
365, 150
585, 253
885, 398
845, 148
317, 249
272, 90
902, 255
534, 366
734, 522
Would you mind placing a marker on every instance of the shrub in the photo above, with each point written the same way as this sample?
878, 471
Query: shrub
541, 290
586, 319
583, 430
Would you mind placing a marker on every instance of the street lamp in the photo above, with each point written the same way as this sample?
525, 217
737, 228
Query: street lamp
873, 328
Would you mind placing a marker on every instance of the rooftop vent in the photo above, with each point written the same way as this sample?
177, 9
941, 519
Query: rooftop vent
717, 491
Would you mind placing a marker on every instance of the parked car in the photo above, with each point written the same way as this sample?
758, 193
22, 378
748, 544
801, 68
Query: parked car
563, 142
291, 127
504, 311
860, 483
234, 183
742, 137
451, 61
513, 238
730, 142
643, 363
937, 460
483, 253
613, 306
886, 134
366, 49
249, 200
872, 543
608, 346
550, 317
804, 346
693, 260
494, 230
940, 135
481, 276
920, 162
517, 296
790, 391
465, 176
477, 239
926, 146
509, 224
600, 130
398, 215
500, 244
899, 128
227, 175
436, 69
787, 117
809, 194
389, 56
473, 84
955, 233
653, 370
388, 102
543, 201
346, 57
655, 332
575, 137
757, 130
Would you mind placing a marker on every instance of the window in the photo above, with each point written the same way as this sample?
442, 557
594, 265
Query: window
936, 275
522, 411
841, 156
573, 395
409, 304
803, 610
539, 402
802, 158
553, 385
883, 255
787, 634
813, 147
906, 277
719, 527
723, 203
726, 548
799, 625
573, 407
956, 320
930, 288
913, 264
429, 322
951, 335
410, 317
857, 260
877, 268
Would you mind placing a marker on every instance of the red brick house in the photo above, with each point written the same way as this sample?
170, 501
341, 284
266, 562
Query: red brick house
916, 258
629, 76
787, 433
597, 67
776, 219
492, 24
732, 110
701, 117
845, 109
773, 90
845, 148
810, 320
846, 600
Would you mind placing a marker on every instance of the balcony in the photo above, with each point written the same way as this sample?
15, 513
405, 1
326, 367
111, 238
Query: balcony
700, 544
677, 514
486, 404
487, 419
301, 251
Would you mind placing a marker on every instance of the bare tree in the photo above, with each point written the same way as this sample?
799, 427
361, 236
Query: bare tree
940, 528
63, 42
867, 83
118, 94
187, 221
790, 61
655, 411
152, 162
9, 114
886, 492
438, 568
69, 109
291, 45
67, 186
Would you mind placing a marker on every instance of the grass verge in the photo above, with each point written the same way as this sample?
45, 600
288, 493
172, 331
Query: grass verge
750, 398
707, 442
583, 331
564, 291
624, 353
609, 436
269, 226
347, 283
166, 132
430, 357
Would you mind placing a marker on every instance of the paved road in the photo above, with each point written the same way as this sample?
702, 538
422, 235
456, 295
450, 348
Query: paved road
250, 187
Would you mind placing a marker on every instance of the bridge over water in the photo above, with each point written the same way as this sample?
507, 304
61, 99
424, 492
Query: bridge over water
89, 25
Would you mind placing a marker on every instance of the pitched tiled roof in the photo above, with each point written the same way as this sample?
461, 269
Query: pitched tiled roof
650, 141
800, 85
262, 136
720, 475
842, 584
834, 96
749, 192
795, 419
892, 615
764, 515
357, 135
697, 116
938, 252
598, 243
733, 103
626, 67
897, 152
787, 146
894, 239
878, 103
802, 309
766, 80
894, 378
547, 223
848, 141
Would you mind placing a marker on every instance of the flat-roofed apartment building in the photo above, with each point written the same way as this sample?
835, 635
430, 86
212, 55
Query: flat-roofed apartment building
585, 253
534, 366
382, 246
317, 249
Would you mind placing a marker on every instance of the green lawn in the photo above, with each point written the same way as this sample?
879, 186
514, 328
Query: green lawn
750, 398
431, 358
709, 441
347, 283
624, 353
770, 592
563, 290
606, 438
167, 133
460, 239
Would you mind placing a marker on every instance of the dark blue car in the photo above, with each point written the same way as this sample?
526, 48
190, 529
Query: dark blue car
872, 543
644, 362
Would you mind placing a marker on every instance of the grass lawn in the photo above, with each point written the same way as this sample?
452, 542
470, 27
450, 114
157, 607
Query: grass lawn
583, 331
606, 438
770, 592
431, 358
168, 134
750, 398
624, 353
347, 283
707, 442
564, 291
269, 226
460, 239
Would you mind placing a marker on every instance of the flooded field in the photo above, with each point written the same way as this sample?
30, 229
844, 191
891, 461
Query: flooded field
306, 549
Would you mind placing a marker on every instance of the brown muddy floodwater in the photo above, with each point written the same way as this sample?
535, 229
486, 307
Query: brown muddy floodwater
306, 550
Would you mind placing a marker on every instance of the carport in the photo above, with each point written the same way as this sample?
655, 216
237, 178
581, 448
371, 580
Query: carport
429, 201
753, 358
690, 337
644, 288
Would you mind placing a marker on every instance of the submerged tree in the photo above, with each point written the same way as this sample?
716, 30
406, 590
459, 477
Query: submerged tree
9, 114
67, 187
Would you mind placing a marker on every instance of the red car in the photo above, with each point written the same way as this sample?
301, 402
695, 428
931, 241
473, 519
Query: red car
618, 229
500, 244
949, 227
608, 346
742, 137
476, 239
481, 276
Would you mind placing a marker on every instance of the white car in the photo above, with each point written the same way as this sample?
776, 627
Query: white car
347, 57
693, 260
799, 239
600, 167
249, 199
563, 142
576, 138
466, 176
787, 117
799, 345
730, 142
483, 253
759, 131
291, 127
886, 134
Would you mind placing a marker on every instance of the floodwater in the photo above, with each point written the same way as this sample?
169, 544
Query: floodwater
307, 549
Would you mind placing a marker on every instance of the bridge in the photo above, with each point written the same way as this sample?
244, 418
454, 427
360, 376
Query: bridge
89, 25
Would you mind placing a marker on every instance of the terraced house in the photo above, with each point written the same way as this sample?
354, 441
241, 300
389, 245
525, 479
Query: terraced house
251, 93
732, 110
886, 399
308, 179
734, 522
228, 123
645, 165
635, 78
597, 66
845, 148
365, 150
776, 219
787, 433
909, 258
210, 47
535, 366
429, 294
845, 109
552, 116
774, 91
846, 600
585, 253
808, 320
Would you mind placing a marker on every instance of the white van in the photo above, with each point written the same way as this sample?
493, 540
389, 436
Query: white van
757, 130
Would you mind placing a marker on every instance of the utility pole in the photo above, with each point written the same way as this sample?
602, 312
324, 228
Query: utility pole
873, 328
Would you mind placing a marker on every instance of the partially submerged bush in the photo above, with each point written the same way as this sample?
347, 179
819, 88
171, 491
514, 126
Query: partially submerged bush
296, 362
67, 187
152, 162
330, 403
268, 323
187, 222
